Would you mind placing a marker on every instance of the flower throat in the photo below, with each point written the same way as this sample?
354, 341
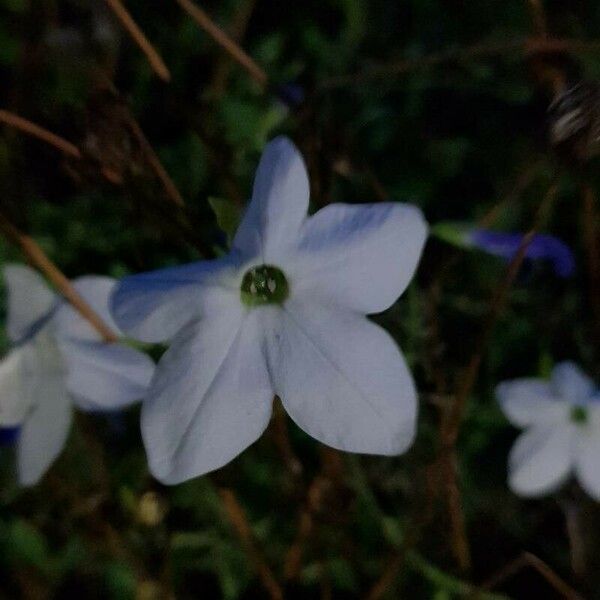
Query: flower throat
264, 284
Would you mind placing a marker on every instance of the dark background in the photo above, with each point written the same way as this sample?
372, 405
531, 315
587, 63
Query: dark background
462, 135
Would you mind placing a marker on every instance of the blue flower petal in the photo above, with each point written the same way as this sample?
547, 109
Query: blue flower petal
506, 245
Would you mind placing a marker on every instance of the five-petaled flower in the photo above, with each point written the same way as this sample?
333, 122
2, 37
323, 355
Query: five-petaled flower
562, 418
58, 360
283, 314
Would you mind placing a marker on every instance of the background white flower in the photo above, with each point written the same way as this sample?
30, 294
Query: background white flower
282, 314
58, 359
562, 421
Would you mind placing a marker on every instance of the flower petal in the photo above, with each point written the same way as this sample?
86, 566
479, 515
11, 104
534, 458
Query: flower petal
279, 203
96, 291
342, 379
587, 462
527, 401
46, 427
105, 376
29, 300
541, 459
359, 256
14, 402
571, 383
154, 306
210, 399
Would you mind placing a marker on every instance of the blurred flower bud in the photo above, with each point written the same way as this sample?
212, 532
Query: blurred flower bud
150, 590
506, 245
151, 509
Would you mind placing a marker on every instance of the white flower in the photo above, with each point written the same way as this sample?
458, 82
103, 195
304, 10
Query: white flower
282, 314
58, 360
562, 421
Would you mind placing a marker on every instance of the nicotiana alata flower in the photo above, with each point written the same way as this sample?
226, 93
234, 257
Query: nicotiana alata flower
506, 245
562, 421
283, 314
58, 360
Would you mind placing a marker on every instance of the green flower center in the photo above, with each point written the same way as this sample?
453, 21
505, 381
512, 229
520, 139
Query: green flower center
579, 415
264, 284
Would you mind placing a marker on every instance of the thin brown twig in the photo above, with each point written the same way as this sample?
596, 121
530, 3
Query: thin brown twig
225, 41
575, 533
293, 558
26, 126
40, 261
237, 518
396, 561
327, 477
236, 29
452, 426
527, 45
170, 188
451, 422
538, 16
527, 559
126, 20
280, 433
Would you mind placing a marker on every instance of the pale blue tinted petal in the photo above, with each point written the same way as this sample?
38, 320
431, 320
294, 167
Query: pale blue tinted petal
29, 300
14, 400
96, 291
587, 463
359, 256
105, 376
341, 378
279, 203
541, 459
154, 306
46, 427
527, 401
210, 399
571, 383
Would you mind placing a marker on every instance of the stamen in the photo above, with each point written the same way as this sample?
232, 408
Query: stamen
264, 284
579, 415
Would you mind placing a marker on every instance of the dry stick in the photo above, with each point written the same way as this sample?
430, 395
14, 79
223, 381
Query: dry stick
481, 50
331, 467
237, 30
538, 16
154, 162
225, 41
66, 147
156, 62
575, 534
527, 559
281, 438
38, 259
237, 518
293, 557
36, 131
397, 560
451, 425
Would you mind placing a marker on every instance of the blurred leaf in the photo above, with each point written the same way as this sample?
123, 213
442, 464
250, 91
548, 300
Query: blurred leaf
120, 581
28, 545
228, 216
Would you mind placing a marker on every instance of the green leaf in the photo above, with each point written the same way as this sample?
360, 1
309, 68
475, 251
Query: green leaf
452, 232
228, 216
120, 581
28, 545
